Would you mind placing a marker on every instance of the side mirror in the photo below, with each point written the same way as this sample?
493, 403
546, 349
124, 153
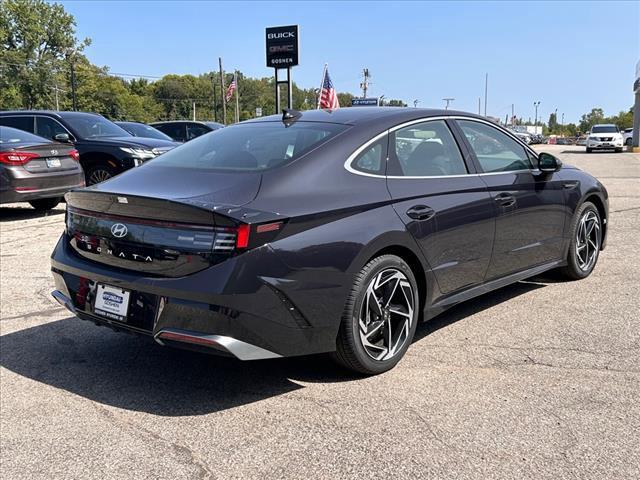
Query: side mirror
547, 163
62, 137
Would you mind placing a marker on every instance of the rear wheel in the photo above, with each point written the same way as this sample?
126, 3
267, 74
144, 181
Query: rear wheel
628, 142
45, 204
619, 150
98, 174
380, 317
586, 238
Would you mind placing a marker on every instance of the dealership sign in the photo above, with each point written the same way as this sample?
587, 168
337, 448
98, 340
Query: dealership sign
282, 46
364, 102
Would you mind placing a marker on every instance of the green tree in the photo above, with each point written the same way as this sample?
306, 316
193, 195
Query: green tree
35, 38
588, 120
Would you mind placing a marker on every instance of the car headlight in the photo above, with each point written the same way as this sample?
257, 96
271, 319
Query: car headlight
595, 139
138, 152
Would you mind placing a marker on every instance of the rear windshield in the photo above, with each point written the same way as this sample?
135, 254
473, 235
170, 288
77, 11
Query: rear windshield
604, 129
250, 146
10, 136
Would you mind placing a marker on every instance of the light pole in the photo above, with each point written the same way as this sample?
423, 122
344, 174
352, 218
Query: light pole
448, 100
562, 123
415, 103
536, 105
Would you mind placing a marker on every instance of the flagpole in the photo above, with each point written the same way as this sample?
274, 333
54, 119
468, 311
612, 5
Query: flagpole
235, 77
324, 73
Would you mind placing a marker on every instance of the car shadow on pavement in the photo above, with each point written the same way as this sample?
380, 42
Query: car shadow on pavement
134, 373
8, 214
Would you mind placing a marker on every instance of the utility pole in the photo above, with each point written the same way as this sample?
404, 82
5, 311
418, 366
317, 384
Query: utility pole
562, 123
364, 85
448, 100
74, 99
194, 111
486, 89
57, 89
222, 94
479, 106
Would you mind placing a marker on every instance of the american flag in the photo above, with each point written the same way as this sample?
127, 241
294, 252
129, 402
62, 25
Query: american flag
231, 88
328, 96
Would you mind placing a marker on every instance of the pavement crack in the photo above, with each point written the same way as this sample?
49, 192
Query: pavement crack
182, 451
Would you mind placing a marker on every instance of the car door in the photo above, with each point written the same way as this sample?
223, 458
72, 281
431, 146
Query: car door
529, 204
444, 205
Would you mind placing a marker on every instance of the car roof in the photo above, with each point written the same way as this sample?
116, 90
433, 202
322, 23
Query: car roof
605, 125
52, 113
357, 115
177, 121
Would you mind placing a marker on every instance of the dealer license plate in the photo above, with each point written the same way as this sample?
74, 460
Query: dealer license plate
112, 302
53, 162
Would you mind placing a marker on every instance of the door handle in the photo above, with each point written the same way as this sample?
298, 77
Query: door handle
505, 199
421, 212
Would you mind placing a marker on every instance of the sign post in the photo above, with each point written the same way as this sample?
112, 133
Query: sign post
635, 145
282, 53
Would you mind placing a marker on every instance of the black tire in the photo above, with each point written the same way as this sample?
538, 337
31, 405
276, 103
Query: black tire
589, 150
350, 351
619, 150
628, 142
44, 204
98, 173
573, 270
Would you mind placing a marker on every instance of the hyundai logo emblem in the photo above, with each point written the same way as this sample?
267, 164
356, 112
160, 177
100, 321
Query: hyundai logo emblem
119, 230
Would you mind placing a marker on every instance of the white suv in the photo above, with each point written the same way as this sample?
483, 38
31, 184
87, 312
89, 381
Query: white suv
604, 137
627, 136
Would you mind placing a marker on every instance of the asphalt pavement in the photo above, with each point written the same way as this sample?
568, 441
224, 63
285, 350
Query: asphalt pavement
539, 380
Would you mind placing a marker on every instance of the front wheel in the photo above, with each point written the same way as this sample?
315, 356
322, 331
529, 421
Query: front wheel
380, 317
586, 238
98, 174
588, 150
619, 150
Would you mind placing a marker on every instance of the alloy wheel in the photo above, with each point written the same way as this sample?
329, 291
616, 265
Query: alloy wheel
386, 314
587, 240
99, 175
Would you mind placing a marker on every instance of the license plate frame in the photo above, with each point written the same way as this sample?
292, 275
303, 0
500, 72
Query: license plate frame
111, 302
53, 163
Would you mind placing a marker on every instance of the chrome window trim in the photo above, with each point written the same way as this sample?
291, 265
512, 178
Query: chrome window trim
360, 149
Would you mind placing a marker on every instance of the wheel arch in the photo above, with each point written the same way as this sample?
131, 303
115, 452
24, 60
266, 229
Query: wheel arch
594, 198
91, 159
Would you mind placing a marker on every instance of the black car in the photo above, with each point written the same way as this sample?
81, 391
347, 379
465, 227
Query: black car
185, 130
323, 231
138, 129
36, 170
105, 149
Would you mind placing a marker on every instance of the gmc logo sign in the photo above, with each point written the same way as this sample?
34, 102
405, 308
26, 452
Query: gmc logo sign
282, 46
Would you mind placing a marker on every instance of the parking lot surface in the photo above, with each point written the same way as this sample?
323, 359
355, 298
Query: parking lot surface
537, 380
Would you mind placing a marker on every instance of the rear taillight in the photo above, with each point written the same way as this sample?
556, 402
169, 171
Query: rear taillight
75, 155
245, 236
17, 158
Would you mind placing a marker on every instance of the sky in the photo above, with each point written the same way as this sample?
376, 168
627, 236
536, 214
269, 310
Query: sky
570, 56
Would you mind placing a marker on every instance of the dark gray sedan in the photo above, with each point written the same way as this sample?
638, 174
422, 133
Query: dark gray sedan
36, 170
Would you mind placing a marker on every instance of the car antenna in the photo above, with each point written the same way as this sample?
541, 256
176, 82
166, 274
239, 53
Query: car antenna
289, 116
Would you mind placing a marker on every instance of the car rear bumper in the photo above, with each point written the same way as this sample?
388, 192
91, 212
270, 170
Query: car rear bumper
23, 188
245, 306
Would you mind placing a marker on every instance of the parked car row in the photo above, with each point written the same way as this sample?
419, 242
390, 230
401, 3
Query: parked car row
101, 149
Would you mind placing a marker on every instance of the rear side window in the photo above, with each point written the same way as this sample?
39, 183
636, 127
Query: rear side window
174, 130
496, 151
21, 122
250, 146
195, 130
373, 158
427, 150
